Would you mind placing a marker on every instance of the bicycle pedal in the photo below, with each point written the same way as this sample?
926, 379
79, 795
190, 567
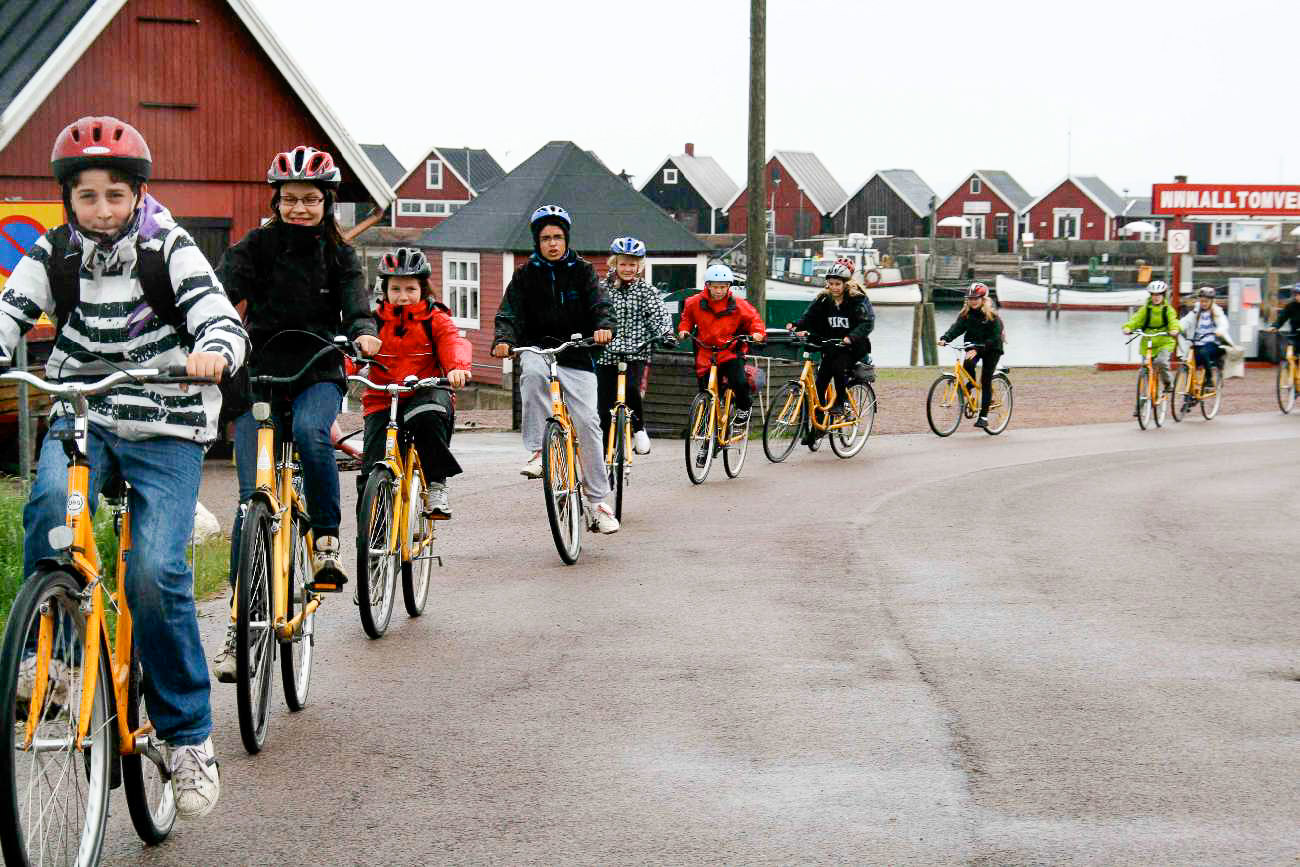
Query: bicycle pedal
324, 587
437, 516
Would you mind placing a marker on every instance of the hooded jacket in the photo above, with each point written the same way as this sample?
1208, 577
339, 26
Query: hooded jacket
548, 302
1188, 324
1155, 317
640, 315
716, 322
853, 318
406, 351
977, 329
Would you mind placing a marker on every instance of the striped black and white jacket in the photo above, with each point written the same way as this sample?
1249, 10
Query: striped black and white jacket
108, 321
639, 313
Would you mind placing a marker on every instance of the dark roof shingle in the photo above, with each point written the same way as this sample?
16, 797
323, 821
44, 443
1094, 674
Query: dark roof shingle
385, 161
475, 165
30, 31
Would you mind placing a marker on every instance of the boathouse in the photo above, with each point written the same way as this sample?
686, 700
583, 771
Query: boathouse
694, 190
892, 202
800, 195
1079, 208
991, 202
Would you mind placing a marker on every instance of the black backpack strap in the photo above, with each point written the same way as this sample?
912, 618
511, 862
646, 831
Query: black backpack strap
64, 272
156, 283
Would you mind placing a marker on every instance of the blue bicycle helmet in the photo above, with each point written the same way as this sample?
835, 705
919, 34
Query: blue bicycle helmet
552, 212
627, 247
719, 273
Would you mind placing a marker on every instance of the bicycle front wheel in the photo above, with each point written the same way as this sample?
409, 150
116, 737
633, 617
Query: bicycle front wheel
944, 405
417, 571
618, 466
700, 434
1144, 413
1285, 387
53, 797
1182, 385
563, 498
297, 652
149, 796
254, 627
848, 441
733, 455
1211, 391
377, 555
785, 422
1000, 405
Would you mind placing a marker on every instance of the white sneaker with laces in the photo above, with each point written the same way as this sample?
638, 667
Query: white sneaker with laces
223, 664
602, 518
533, 469
57, 683
641, 442
196, 782
435, 500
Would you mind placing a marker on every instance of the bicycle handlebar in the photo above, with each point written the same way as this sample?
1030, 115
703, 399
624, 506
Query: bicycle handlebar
336, 346
175, 374
739, 338
667, 341
406, 386
571, 343
823, 345
1137, 334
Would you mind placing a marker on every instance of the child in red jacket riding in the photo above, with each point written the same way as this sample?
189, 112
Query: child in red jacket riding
418, 339
719, 316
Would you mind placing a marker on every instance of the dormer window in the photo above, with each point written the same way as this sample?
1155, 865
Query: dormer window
670, 176
433, 174
975, 186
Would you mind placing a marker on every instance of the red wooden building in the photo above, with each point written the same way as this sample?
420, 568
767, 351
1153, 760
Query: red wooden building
436, 186
1080, 208
205, 81
991, 202
801, 197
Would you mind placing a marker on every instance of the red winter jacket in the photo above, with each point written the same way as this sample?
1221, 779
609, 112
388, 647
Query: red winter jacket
404, 334
717, 322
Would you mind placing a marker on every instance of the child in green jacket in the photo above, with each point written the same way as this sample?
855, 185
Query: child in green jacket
1156, 315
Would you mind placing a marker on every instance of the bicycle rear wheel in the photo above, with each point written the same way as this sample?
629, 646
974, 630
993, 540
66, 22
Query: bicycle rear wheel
1145, 416
378, 560
785, 422
254, 627
618, 467
733, 454
149, 796
944, 405
297, 653
1285, 387
563, 498
1182, 385
700, 434
848, 441
1000, 405
417, 571
53, 797
1213, 385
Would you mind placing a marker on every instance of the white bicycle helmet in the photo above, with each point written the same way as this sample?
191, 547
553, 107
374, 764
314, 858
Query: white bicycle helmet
304, 164
719, 273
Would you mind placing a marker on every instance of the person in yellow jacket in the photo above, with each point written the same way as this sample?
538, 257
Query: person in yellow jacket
1156, 315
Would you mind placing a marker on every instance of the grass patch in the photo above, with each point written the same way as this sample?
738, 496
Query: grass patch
211, 559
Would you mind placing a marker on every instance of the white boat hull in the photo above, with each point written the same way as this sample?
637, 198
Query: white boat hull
1017, 293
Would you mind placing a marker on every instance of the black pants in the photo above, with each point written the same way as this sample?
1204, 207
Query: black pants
607, 393
1208, 356
428, 419
990, 358
836, 365
731, 374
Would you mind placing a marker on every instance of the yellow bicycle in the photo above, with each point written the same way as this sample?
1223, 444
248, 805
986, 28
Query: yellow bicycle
394, 533
618, 443
711, 424
1151, 407
1288, 379
957, 394
1190, 383
796, 412
70, 679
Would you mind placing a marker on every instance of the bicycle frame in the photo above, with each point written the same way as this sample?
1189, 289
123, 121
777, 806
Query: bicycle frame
620, 401
819, 412
1196, 384
1293, 365
964, 384
560, 413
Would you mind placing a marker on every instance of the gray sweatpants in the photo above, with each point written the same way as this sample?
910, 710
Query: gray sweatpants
579, 388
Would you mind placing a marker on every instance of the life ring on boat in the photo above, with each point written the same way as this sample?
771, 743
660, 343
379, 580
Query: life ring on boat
872, 276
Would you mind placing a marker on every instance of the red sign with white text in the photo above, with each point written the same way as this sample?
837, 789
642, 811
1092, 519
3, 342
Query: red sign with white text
1242, 200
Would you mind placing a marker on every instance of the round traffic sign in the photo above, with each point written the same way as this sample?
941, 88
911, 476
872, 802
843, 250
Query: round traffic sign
17, 235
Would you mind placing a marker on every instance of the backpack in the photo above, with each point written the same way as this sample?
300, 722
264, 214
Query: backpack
1146, 320
64, 272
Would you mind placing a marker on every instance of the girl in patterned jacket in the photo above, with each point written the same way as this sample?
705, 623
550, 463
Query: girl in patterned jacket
640, 315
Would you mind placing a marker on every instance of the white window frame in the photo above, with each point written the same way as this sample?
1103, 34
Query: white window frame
878, 226
701, 262
670, 176
769, 217
976, 187
974, 227
1059, 214
461, 272
1222, 233
428, 174
410, 207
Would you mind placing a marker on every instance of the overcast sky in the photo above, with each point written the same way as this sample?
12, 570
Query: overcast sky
1132, 91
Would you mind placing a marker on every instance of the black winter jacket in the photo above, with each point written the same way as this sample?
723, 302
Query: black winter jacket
987, 332
548, 302
1289, 313
285, 275
853, 318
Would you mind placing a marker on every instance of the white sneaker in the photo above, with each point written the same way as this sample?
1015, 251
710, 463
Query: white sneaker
641, 442
602, 518
223, 664
196, 782
435, 501
328, 567
57, 683
533, 469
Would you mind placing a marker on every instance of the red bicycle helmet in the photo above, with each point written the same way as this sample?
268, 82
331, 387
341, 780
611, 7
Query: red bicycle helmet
305, 164
100, 143
977, 292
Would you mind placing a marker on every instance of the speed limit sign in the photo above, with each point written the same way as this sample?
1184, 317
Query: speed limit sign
1180, 240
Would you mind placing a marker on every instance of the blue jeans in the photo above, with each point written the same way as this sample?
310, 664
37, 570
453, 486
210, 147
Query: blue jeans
1207, 356
164, 476
314, 411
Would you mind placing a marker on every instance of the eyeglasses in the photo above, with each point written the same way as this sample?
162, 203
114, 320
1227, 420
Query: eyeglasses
292, 202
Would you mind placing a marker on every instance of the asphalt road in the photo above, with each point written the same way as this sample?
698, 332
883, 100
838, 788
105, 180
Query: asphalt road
1059, 646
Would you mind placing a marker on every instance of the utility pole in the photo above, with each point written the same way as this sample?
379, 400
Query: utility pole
756, 241
923, 332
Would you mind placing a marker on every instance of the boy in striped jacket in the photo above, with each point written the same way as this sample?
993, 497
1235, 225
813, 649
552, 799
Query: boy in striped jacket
91, 275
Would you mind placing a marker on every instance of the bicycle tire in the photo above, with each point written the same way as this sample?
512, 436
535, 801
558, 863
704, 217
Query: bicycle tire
1210, 405
701, 435
943, 400
377, 561
298, 653
733, 454
1144, 415
150, 799
416, 573
1159, 408
1003, 396
618, 469
786, 416
847, 442
1285, 387
563, 505
1182, 385
255, 642
18, 768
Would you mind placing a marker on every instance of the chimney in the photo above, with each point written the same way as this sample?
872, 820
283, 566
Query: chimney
1180, 179
690, 149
